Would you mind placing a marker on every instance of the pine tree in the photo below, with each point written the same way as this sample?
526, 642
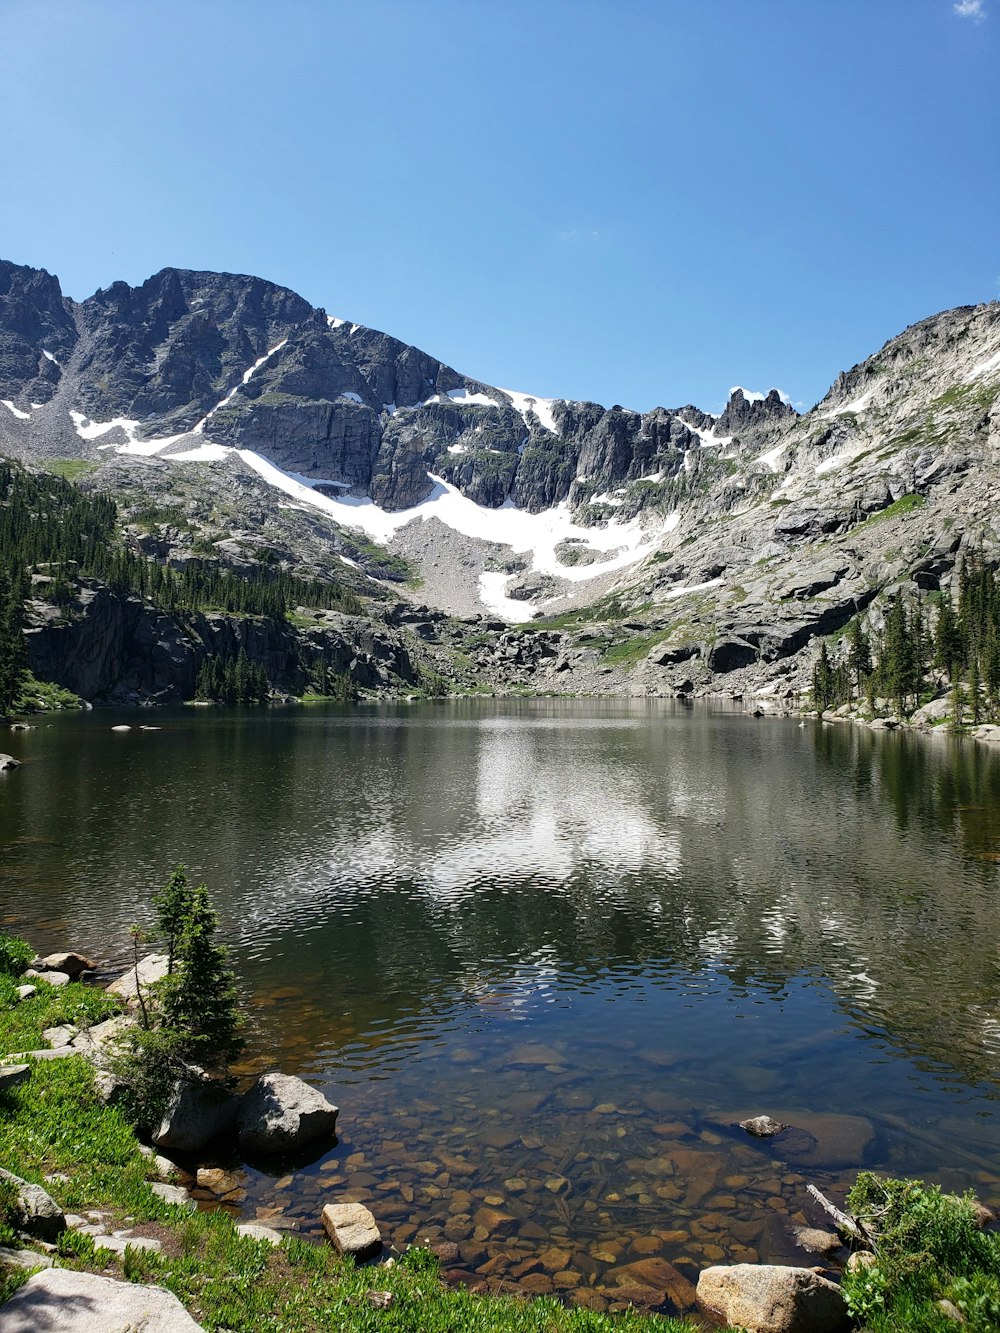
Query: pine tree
822, 680
859, 658
173, 904
199, 999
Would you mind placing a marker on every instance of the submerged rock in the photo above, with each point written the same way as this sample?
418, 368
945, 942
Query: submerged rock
762, 1126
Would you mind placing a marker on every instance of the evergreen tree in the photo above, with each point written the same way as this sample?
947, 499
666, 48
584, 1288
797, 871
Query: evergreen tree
859, 658
822, 682
199, 999
173, 904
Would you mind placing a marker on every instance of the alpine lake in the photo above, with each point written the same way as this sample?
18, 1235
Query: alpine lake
546, 954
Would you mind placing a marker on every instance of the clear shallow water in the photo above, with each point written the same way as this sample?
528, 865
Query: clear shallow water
543, 954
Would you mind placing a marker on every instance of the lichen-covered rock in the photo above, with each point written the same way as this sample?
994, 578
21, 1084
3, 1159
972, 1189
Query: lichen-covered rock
61, 1299
769, 1298
281, 1113
35, 1210
352, 1229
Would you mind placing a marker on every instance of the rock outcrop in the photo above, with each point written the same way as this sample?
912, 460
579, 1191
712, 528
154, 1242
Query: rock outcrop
769, 1298
281, 1114
72, 1302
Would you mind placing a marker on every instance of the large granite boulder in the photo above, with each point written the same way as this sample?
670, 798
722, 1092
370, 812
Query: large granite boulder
199, 1111
769, 1298
35, 1211
280, 1113
69, 962
145, 973
60, 1299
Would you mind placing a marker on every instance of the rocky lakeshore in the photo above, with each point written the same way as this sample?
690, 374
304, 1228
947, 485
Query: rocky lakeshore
487, 1242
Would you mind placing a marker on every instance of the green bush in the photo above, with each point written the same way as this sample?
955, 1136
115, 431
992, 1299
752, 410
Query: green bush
15, 955
928, 1247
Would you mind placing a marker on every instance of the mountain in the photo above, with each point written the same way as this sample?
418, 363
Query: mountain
682, 552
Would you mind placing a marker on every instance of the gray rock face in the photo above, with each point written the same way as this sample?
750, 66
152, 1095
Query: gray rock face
11, 1076
34, 318
145, 973
768, 1298
36, 1211
281, 1113
198, 1112
113, 649
60, 1299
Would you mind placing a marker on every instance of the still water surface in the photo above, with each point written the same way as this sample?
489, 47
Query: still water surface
543, 954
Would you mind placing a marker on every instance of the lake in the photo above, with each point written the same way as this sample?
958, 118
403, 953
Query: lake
545, 954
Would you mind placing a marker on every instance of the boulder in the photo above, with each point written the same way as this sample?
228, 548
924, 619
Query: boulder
86, 1303
7, 761
70, 963
655, 1274
148, 970
352, 1229
281, 1113
53, 978
35, 1211
199, 1110
769, 1298
26, 992
11, 1258
255, 1231
12, 1075
172, 1194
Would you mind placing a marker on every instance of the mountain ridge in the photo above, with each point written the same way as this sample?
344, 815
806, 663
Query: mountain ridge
727, 545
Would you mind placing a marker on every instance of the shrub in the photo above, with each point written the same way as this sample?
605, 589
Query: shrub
15, 955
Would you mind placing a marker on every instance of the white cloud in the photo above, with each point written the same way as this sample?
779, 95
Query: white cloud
970, 9
754, 396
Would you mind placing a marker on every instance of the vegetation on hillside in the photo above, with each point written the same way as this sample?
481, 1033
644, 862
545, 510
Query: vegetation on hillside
926, 641
51, 528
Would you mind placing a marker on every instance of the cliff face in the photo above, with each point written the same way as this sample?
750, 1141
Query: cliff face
113, 649
240, 362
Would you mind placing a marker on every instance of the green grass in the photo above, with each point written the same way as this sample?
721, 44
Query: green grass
906, 504
54, 1123
630, 650
928, 1248
70, 469
43, 696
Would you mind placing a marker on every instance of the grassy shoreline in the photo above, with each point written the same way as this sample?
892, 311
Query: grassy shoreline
55, 1132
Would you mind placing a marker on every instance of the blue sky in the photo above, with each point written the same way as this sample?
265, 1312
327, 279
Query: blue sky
641, 202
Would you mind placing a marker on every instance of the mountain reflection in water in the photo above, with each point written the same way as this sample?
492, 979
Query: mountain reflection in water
687, 912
